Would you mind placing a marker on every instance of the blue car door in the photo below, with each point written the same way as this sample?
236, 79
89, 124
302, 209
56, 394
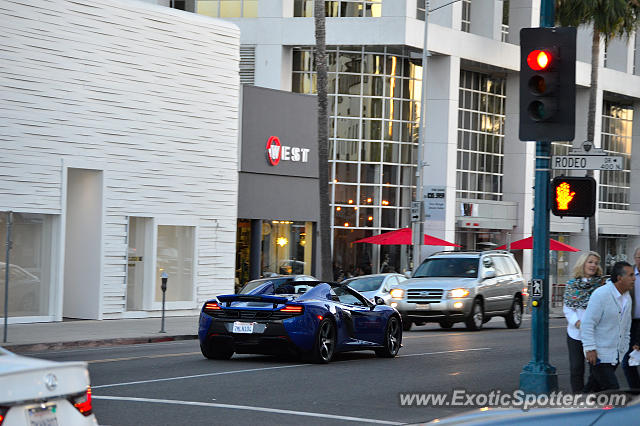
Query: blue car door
364, 323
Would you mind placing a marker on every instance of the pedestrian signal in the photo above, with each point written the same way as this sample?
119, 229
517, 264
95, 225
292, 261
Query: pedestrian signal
573, 196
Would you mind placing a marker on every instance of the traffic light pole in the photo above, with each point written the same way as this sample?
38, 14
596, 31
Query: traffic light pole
538, 376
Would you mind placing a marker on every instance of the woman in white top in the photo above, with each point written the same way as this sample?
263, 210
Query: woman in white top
587, 276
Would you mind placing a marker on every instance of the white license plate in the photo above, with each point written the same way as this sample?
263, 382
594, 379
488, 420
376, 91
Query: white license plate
38, 416
423, 306
243, 327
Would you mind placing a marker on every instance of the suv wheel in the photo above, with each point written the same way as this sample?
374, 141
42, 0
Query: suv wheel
406, 324
446, 324
476, 317
514, 317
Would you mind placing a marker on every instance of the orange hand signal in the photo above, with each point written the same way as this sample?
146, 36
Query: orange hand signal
564, 196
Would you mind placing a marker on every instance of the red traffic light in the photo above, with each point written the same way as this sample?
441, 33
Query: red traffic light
539, 60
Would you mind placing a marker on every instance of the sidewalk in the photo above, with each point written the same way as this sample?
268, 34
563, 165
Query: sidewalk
37, 337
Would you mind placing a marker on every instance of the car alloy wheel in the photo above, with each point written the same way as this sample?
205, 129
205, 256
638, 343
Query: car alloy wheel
476, 319
392, 339
514, 317
326, 342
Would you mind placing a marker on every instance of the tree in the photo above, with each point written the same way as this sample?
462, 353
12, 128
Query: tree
326, 271
609, 18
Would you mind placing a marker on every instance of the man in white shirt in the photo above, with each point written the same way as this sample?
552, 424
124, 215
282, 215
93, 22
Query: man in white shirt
606, 324
631, 373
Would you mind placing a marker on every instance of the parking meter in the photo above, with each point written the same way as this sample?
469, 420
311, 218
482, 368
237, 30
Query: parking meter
164, 278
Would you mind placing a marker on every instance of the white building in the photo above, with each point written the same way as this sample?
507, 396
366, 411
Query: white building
118, 158
472, 148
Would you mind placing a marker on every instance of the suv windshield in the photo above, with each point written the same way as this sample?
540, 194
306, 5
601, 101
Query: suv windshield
458, 267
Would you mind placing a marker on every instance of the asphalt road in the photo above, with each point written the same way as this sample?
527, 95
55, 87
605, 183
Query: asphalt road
171, 383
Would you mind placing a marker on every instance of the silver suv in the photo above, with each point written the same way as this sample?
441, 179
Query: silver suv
453, 286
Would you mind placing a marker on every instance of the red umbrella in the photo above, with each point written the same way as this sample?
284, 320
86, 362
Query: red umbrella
403, 236
527, 243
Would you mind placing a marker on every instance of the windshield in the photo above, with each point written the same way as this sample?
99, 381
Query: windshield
252, 285
277, 286
365, 283
457, 267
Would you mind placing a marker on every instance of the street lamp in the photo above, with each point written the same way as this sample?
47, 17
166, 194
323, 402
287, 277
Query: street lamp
417, 230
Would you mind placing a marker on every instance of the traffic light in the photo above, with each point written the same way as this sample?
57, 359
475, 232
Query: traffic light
573, 196
547, 84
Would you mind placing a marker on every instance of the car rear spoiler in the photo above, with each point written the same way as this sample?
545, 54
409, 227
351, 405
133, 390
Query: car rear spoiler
252, 298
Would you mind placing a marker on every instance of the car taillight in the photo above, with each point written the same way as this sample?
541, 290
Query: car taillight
3, 413
82, 402
212, 306
293, 309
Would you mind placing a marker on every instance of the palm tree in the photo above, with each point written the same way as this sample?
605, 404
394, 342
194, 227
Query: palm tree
609, 18
326, 271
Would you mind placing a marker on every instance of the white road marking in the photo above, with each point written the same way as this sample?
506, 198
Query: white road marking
220, 373
251, 370
249, 408
444, 352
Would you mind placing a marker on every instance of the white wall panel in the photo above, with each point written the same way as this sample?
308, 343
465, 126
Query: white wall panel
146, 93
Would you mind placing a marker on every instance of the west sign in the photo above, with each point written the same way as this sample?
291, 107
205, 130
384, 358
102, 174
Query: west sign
276, 152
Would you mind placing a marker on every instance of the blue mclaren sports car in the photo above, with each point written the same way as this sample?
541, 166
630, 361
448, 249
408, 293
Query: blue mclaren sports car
313, 319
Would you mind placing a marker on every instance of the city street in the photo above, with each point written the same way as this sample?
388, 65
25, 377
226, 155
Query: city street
167, 383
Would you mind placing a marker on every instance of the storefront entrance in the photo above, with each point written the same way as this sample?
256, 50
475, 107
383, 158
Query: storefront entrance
285, 247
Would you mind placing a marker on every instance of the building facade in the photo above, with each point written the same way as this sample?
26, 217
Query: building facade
472, 154
119, 158
278, 203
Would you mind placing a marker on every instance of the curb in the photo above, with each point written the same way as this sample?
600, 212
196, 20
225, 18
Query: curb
56, 346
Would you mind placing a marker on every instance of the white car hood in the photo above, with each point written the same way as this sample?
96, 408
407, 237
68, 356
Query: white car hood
445, 283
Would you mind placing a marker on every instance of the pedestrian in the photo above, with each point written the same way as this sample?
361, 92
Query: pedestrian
587, 276
605, 326
631, 372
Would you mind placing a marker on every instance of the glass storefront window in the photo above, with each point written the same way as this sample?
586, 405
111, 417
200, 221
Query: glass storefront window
376, 101
30, 264
613, 248
345, 194
346, 172
345, 216
286, 247
175, 257
243, 253
346, 151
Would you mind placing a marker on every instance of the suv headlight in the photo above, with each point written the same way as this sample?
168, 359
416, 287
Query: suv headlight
458, 293
397, 293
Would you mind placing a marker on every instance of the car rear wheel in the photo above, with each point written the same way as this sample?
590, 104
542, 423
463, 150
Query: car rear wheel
392, 339
325, 342
514, 317
476, 317
216, 352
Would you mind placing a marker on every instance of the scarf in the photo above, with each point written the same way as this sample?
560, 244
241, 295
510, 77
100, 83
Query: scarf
578, 291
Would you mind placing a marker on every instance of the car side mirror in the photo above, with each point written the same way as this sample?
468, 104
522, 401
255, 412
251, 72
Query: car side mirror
488, 273
379, 300
407, 274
